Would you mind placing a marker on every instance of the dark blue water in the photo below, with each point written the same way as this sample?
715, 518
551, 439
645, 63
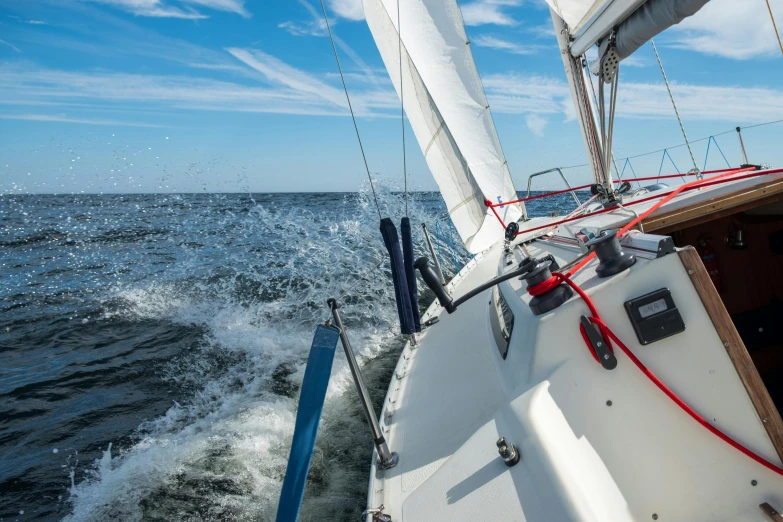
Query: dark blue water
152, 346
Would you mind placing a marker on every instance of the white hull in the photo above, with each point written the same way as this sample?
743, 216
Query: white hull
596, 445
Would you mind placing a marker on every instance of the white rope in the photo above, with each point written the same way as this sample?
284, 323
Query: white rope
676, 112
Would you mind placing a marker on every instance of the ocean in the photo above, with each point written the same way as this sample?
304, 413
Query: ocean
152, 347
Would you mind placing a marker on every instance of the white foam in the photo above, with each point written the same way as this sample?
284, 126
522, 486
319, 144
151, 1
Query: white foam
242, 433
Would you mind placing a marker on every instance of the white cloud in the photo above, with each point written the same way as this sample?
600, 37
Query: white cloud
163, 9
153, 8
517, 94
289, 91
280, 72
12, 46
316, 26
536, 124
66, 119
231, 6
504, 45
484, 12
733, 29
348, 9
36, 22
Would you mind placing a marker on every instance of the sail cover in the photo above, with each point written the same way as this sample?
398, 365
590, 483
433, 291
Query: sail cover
448, 111
636, 21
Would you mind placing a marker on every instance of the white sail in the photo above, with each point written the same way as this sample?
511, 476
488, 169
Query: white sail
448, 111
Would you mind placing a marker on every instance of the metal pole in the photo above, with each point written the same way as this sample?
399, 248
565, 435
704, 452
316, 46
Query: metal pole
742, 147
386, 459
432, 252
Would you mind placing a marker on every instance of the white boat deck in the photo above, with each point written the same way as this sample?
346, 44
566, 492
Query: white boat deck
640, 458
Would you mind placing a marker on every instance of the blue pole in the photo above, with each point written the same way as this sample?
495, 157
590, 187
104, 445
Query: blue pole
308, 416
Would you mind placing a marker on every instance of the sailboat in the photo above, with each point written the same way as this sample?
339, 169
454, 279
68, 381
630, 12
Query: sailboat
614, 364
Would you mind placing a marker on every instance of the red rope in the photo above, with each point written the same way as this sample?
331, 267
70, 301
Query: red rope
609, 335
488, 203
699, 183
543, 287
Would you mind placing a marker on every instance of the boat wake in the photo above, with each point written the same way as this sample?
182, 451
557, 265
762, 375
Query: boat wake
220, 451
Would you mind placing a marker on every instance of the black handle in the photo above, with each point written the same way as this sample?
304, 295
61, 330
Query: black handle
433, 283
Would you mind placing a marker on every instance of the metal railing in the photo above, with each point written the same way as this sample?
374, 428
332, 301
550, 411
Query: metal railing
556, 169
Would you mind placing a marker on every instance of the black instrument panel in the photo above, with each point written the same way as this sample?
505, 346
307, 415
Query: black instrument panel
654, 316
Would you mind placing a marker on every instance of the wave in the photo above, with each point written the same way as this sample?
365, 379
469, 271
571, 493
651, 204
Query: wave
221, 452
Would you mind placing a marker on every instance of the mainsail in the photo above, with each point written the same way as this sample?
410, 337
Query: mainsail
635, 21
448, 111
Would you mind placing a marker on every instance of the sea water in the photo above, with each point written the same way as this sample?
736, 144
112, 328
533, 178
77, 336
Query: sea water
152, 347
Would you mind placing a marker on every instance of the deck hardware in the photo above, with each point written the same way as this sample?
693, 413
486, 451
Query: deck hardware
511, 232
508, 452
754, 482
771, 512
613, 259
432, 320
377, 514
438, 270
608, 403
655, 516
386, 459
604, 354
431, 280
742, 148
549, 300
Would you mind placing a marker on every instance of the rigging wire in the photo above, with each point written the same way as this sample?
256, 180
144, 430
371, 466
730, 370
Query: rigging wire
775, 26
595, 101
682, 144
402, 109
676, 112
350, 107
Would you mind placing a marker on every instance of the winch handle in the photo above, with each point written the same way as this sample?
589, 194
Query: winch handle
432, 281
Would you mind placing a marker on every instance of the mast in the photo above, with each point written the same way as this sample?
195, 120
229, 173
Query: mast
588, 123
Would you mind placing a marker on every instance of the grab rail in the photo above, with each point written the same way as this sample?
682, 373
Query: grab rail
556, 169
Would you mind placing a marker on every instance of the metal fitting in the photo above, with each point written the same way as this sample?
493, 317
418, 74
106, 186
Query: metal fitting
508, 452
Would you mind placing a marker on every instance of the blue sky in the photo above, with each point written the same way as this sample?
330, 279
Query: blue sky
234, 95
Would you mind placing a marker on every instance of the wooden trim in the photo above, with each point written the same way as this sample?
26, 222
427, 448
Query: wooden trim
771, 512
714, 208
767, 412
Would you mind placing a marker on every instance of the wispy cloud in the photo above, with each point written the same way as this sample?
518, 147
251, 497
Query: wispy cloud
348, 9
517, 94
66, 119
536, 124
36, 22
230, 6
288, 91
183, 9
504, 45
279, 72
727, 28
12, 46
315, 26
489, 12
